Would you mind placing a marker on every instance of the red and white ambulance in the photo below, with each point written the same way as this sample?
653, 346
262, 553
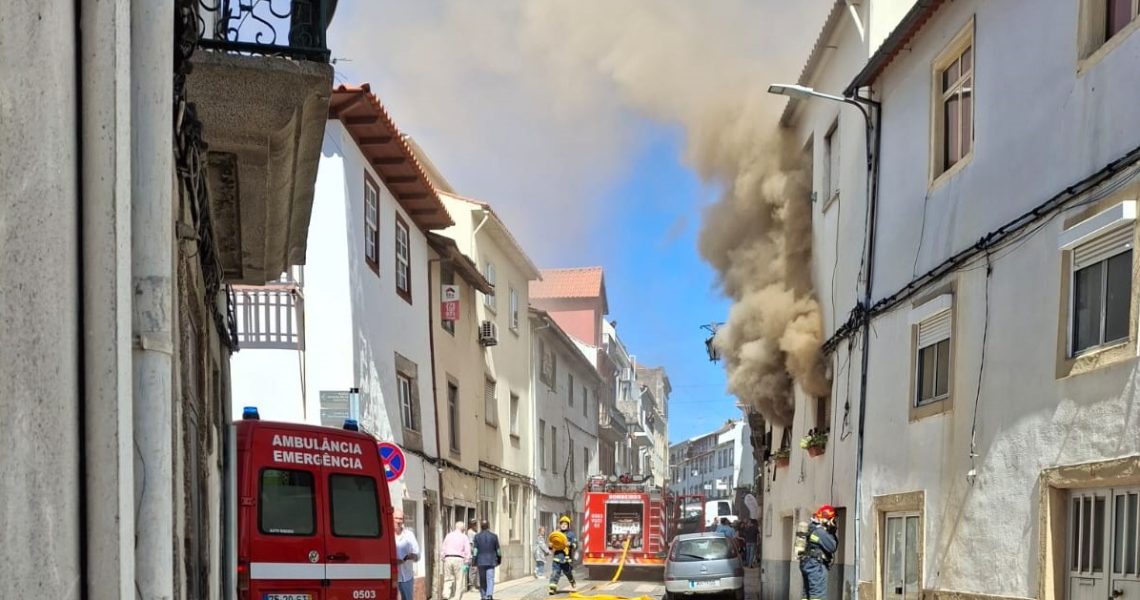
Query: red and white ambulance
314, 518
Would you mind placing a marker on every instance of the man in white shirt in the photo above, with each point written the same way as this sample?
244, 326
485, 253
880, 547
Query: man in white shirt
407, 553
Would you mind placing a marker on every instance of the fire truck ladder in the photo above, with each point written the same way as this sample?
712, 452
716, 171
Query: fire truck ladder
656, 526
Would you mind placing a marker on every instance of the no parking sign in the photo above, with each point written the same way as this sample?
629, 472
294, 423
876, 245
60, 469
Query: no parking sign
393, 460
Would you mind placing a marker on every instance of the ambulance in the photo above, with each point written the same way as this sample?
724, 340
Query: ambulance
314, 518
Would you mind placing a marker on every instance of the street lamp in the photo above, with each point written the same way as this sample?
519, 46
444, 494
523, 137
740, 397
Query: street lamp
801, 92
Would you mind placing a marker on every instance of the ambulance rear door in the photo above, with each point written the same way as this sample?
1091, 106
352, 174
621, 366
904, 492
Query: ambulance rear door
360, 545
283, 501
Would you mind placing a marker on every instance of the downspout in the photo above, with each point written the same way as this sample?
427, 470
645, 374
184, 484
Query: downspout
875, 127
435, 410
152, 293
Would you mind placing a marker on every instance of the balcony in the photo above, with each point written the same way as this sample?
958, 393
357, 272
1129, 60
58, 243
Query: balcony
611, 423
260, 83
271, 316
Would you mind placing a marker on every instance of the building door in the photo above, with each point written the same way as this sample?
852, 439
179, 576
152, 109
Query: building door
1104, 544
1125, 581
900, 556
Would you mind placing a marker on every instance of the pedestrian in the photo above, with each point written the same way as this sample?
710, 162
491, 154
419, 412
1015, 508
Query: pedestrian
563, 543
751, 538
407, 553
456, 553
818, 553
725, 529
472, 570
488, 555
541, 551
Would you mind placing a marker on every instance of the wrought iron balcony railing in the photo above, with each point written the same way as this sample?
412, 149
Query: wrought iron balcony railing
290, 28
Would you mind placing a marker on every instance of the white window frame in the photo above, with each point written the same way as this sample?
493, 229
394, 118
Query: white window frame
490, 402
403, 258
514, 295
489, 299
832, 167
514, 408
934, 324
1100, 235
404, 385
372, 223
904, 516
1094, 42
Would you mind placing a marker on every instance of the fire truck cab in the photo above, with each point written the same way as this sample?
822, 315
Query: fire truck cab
314, 518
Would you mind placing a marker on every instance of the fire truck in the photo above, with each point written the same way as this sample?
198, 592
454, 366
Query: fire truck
314, 516
621, 509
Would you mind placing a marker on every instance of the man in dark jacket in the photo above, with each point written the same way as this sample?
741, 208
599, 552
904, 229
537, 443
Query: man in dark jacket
488, 555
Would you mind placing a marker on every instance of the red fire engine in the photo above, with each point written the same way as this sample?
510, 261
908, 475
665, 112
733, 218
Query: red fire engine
314, 516
623, 508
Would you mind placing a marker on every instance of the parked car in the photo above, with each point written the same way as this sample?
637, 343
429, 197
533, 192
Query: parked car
703, 565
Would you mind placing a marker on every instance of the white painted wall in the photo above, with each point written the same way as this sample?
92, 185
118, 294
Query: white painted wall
1039, 128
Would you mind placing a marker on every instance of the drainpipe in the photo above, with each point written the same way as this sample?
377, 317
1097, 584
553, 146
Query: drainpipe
435, 410
152, 267
873, 127
105, 216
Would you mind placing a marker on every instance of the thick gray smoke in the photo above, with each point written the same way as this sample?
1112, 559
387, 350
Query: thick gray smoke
547, 87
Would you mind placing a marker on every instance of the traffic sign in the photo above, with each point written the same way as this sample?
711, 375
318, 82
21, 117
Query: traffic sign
393, 458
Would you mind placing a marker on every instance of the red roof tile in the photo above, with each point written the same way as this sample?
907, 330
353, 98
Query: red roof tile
585, 282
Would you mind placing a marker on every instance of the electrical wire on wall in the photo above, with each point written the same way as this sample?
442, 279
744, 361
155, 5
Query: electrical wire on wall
972, 473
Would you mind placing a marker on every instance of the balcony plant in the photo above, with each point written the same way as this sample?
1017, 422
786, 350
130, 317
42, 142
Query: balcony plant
781, 457
815, 442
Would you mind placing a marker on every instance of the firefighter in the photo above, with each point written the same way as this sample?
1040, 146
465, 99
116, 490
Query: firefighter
563, 544
818, 553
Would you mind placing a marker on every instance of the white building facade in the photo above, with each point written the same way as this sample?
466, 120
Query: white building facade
507, 449
361, 315
715, 464
567, 391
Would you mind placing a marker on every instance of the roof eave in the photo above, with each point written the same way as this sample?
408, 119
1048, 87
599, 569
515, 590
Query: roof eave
907, 28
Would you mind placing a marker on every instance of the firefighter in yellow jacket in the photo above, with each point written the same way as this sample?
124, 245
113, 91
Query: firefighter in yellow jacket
563, 544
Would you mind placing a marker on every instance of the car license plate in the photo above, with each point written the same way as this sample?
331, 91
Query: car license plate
704, 583
287, 597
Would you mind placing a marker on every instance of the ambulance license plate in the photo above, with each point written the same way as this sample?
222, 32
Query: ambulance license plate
704, 583
287, 597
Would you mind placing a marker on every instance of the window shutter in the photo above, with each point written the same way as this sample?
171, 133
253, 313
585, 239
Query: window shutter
1105, 246
934, 330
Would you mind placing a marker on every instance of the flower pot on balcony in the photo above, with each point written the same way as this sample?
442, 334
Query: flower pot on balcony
814, 451
782, 461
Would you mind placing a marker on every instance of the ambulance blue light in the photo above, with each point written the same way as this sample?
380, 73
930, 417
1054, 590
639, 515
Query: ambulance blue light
351, 425
249, 413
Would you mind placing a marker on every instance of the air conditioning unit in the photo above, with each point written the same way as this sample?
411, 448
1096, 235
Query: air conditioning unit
488, 333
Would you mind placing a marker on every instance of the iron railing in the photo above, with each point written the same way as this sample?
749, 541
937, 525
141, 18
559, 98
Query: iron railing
291, 28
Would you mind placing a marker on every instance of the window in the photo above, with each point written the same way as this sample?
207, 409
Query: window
513, 511
488, 489
954, 102
831, 171
515, 415
554, 450
285, 503
585, 402
702, 549
823, 413
489, 275
570, 387
353, 506
585, 462
570, 470
933, 321
549, 372
900, 564
490, 403
447, 277
1102, 290
371, 224
1101, 20
403, 260
514, 310
404, 389
542, 444
453, 416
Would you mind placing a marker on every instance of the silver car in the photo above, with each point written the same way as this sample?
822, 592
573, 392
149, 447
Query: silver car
703, 564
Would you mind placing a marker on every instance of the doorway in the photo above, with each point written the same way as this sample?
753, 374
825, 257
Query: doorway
1104, 544
900, 556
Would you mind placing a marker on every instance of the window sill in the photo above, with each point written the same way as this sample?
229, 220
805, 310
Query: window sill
1086, 64
490, 424
830, 201
930, 409
1098, 358
407, 296
945, 176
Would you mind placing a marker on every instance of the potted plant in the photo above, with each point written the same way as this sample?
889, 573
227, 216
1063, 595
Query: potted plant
815, 442
781, 457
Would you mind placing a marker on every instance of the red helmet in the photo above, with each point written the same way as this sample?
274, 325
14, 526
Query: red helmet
825, 512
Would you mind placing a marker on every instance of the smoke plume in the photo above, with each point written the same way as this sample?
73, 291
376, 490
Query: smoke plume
545, 93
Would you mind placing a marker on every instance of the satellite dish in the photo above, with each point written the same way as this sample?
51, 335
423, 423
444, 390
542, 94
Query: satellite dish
753, 506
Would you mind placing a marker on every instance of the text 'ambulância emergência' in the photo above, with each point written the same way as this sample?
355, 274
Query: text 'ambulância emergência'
321, 452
